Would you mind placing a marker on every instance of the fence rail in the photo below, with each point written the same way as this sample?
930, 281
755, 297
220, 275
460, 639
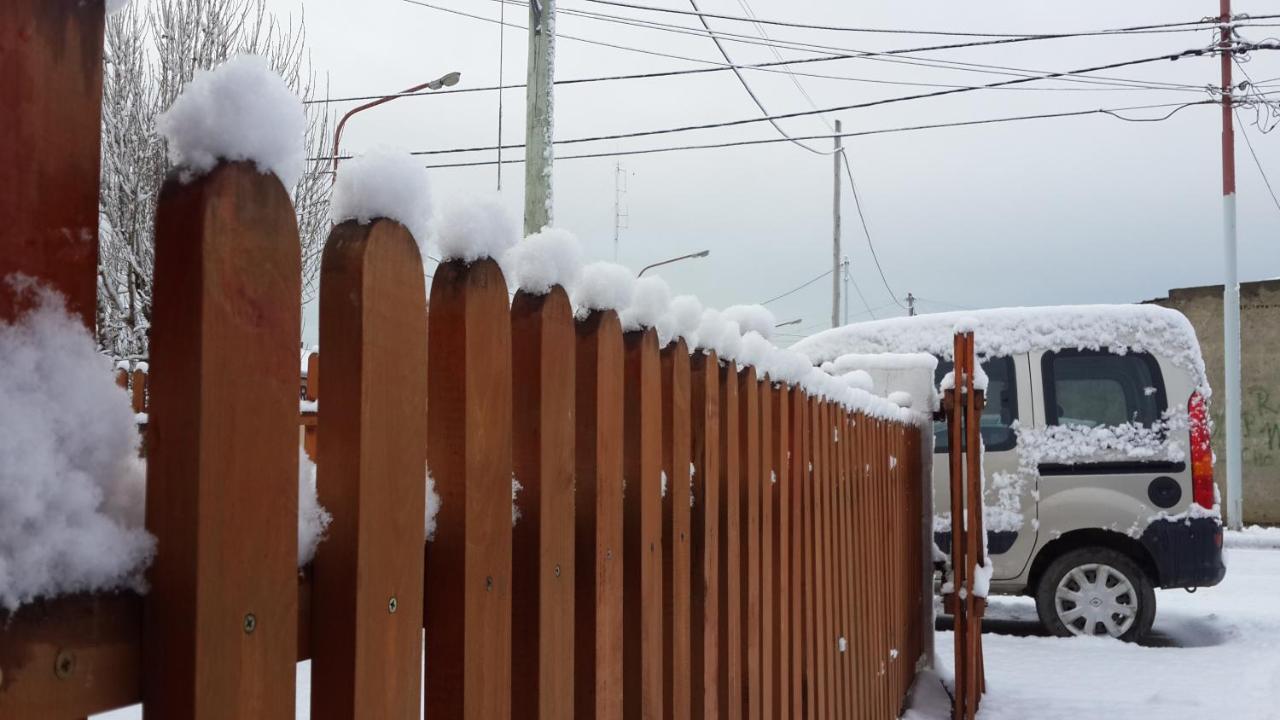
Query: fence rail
694, 540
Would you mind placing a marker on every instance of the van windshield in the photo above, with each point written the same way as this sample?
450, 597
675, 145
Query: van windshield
1000, 411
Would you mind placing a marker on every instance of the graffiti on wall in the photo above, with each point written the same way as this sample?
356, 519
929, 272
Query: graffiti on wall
1260, 422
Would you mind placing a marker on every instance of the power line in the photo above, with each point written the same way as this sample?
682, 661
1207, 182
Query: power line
800, 287
1245, 132
1212, 22
862, 133
887, 56
857, 202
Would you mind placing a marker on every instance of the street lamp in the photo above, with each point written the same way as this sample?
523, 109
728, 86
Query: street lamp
699, 254
447, 80
789, 322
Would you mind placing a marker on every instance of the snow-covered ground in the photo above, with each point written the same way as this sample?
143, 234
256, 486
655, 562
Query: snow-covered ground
1213, 654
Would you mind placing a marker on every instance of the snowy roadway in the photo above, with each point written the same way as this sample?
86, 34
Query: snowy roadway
1214, 654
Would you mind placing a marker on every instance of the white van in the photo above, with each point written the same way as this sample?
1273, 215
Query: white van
1098, 471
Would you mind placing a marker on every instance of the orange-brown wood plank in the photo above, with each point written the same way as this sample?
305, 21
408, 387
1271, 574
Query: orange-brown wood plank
543, 413
367, 637
822, 632
780, 548
795, 586
642, 528
768, 485
224, 340
598, 519
51, 92
729, 682
810, 599
955, 418
843, 586
468, 573
704, 527
749, 538
864, 676
676, 541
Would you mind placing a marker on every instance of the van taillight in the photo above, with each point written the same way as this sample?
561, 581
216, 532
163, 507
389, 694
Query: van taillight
1201, 453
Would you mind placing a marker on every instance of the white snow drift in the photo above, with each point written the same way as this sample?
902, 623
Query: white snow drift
384, 184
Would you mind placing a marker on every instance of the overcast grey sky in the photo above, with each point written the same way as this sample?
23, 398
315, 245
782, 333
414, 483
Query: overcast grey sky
1073, 210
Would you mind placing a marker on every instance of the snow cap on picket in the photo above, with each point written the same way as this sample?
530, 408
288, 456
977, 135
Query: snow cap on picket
649, 303
603, 286
756, 352
859, 380
719, 335
240, 110
474, 228
752, 318
901, 398
789, 366
685, 313
384, 183
543, 260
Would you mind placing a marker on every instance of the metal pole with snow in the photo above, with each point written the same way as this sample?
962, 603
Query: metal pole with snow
1230, 284
539, 105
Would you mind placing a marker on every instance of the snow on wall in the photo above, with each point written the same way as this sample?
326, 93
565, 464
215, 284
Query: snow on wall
475, 228
240, 110
1008, 331
603, 286
71, 484
752, 318
543, 260
384, 183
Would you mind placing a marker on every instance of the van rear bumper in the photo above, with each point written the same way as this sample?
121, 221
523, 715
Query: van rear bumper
1187, 553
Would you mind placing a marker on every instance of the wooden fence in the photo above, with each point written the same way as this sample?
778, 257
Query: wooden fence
694, 540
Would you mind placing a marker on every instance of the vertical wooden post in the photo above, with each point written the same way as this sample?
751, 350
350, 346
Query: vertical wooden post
598, 519
959, 562
729, 683
366, 634
781, 582
795, 582
221, 625
704, 526
768, 485
812, 706
864, 546
676, 540
749, 538
822, 588
642, 528
51, 92
542, 571
468, 581
311, 427
841, 553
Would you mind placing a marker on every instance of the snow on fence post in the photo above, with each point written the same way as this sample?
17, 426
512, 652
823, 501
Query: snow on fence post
468, 566
730, 681
221, 616
51, 92
748, 489
642, 526
780, 589
543, 572
793, 539
764, 484
704, 527
598, 512
677, 670
368, 574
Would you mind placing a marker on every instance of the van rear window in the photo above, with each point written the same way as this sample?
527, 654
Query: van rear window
998, 414
1093, 388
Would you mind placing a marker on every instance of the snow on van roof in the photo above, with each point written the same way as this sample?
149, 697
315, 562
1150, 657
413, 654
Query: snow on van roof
1007, 331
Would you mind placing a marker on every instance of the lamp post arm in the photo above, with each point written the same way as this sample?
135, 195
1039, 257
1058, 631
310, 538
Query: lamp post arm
337, 133
699, 254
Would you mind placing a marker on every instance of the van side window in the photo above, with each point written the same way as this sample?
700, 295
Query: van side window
998, 414
1097, 387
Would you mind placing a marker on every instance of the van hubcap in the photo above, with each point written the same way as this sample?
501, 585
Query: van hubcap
1096, 599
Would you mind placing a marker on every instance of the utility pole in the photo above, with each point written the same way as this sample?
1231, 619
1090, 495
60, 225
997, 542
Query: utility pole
911, 305
847, 278
835, 235
1231, 283
619, 212
539, 111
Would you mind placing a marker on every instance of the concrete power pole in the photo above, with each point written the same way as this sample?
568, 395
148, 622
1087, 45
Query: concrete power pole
911, 305
835, 235
539, 113
1230, 285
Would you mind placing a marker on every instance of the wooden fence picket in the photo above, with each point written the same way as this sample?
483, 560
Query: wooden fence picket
766, 484
796, 475
677, 669
731, 639
748, 489
704, 526
366, 638
221, 616
779, 590
543, 422
468, 573
812, 706
598, 518
642, 527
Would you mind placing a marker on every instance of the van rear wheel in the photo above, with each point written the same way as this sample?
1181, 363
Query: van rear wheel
1096, 591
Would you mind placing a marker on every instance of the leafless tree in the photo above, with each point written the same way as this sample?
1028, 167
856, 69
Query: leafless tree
152, 51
